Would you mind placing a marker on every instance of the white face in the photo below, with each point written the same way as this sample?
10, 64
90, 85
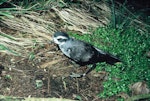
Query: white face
60, 40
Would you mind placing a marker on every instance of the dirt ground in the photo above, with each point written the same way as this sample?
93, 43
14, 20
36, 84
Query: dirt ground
20, 76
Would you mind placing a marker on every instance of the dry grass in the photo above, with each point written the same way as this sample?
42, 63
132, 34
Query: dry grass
34, 28
28, 30
83, 19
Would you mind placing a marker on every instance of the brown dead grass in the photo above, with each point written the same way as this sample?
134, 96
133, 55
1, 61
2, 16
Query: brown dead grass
37, 28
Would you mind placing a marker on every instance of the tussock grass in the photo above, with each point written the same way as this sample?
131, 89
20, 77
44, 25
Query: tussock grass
30, 23
29, 29
32, 27
82, 20
77, 21
125, 19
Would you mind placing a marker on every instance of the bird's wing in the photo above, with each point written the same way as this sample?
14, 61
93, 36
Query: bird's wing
107, 57
100, 51
81, 52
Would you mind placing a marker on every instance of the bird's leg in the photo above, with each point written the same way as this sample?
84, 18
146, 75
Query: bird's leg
90, 69
82, 75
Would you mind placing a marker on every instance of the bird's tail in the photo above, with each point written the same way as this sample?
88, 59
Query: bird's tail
110, 59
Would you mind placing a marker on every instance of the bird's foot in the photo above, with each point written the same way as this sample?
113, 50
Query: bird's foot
74, 75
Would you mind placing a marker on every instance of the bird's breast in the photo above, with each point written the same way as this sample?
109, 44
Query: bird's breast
65, 50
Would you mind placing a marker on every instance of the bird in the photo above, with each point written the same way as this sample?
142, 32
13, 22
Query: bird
81, 52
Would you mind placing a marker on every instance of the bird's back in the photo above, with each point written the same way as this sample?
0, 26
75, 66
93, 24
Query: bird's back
82, 52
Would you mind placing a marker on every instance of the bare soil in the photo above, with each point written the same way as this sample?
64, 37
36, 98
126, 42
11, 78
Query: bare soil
19, 76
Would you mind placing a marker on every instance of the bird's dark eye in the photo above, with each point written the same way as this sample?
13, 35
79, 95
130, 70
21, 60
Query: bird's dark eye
61, 40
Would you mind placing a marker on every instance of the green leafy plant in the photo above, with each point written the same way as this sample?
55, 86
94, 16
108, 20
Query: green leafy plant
130, 46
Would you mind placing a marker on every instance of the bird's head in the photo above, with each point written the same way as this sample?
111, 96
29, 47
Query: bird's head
60, 38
